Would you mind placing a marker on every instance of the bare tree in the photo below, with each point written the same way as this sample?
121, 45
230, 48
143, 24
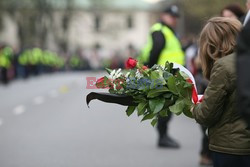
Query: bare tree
32, 18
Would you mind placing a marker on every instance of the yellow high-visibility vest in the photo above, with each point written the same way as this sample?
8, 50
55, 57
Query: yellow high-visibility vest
4, 61
172, 51
23, 59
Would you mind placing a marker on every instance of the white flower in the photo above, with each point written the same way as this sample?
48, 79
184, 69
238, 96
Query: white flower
111, 75
118, 75
118, 71
115, 74
138, 75
157, 70
127, 74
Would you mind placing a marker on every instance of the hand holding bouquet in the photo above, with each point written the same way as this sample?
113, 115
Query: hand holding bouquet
154, 91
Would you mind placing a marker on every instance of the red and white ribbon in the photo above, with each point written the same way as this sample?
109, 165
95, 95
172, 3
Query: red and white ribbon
195, 97
194, 92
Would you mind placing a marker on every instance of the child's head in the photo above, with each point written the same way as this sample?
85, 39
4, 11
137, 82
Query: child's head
217, 39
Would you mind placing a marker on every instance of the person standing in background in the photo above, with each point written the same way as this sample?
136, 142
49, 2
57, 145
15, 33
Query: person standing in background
5, 63
233, 11
248, 4
162, 46
247, 17
190, 54
242, 66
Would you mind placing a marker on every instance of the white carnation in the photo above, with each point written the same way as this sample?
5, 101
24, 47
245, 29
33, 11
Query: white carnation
111, 75
115, 74
127, 74
138, 75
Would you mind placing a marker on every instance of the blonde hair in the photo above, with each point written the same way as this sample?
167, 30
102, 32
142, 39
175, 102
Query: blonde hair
217, 39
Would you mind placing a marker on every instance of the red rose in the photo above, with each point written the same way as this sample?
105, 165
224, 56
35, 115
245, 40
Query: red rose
144, 67
118, 83
100, 80
130, 63
100, 83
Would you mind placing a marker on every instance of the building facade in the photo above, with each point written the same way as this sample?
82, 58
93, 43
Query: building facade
113, 29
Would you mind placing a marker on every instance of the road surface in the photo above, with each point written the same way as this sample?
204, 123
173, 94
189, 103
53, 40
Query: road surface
45, 122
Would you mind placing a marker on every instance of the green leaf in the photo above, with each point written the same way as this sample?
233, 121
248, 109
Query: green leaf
142, 108
130, 110
153, 122
156, 104
185, 92
178, 107
166, 75
139, 98
187, 85
155, 75
172, 85
112, 91
148, 116
188, 102
156, 92
169, 66
167, 95
108, 70
188, 114
187, 111
164, 112
184, 75
132, 73
169, 102
179, 77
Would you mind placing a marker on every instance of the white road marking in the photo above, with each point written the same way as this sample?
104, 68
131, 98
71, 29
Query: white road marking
53, 93
19, 110
38, 100
1, 121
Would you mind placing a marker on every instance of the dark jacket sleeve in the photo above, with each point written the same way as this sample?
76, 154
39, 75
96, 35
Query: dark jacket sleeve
159, 42
209, 111
242, 66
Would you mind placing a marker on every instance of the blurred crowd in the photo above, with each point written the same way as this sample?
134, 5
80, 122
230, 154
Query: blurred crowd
36, 61
33, 61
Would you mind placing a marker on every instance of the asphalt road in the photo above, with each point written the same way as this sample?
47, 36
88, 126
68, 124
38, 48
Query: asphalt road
45, 122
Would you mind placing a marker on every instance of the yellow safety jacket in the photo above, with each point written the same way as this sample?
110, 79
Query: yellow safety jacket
36, 56
172, 51
23, 59
4, 61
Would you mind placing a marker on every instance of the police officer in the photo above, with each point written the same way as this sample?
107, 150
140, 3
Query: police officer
5, 63
162, 46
